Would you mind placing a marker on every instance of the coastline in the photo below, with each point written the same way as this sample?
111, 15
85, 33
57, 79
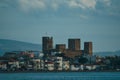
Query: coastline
55, 71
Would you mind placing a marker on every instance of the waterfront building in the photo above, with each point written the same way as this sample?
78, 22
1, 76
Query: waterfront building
58, 63
3, 66
90, 67
36, 64
13, 65
74, 68
40, 55
30, 54
10, 55
81, 67
66, 65
49, 65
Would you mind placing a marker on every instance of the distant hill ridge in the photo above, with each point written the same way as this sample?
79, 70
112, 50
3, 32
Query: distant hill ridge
13, 45
108, 53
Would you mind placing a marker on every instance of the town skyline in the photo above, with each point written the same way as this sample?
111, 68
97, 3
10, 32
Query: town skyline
90, 20
58, 59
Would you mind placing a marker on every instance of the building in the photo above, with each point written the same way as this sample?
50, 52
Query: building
58, 63
47, 44
3, 66
73, 54
90, 67
49, 66
74, 44
73, 67
37, 64
60, 47
13, 65
74, 47
66, 65
88, 48
10, 55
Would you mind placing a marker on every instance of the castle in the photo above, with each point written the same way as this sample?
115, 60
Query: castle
73, 50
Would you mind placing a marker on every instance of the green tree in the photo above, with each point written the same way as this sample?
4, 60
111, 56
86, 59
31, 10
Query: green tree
82, 60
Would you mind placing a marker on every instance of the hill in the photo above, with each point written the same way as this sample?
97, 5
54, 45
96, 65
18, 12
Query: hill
108, 53
13, 45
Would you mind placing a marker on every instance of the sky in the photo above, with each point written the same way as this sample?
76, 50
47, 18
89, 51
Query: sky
90, 20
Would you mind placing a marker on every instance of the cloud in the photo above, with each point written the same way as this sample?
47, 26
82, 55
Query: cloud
55, 5
109, 7
106, 2
83, 16
88, 3
39, 4
42, 4
73, 3
106, 6
7, 4
32, 4
84, 4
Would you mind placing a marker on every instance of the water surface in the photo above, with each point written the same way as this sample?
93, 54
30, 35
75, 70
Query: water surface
61, 76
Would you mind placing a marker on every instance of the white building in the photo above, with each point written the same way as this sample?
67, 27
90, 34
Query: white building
50, 66
82, 67
38, 64
40, 54
74, 68
3, 66
66, 65
58, 63
90, 67
14, 65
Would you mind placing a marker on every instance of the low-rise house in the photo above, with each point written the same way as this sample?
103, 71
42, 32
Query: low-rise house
10, 54
3, 66
49, 66
37, 64
13, 65
99, 59
39, 55
66, 65
74, 67
81, 67
90, 67
58, 62
41, 64
29, 67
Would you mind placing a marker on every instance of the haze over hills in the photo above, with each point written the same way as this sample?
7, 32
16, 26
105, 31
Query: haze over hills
13, 45
108, 53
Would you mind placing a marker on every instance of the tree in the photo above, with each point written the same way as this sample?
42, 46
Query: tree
82, 60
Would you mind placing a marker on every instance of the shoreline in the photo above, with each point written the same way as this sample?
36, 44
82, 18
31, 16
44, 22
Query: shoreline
54, 71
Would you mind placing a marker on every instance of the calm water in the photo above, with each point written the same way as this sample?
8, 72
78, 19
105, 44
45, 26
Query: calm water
61, 76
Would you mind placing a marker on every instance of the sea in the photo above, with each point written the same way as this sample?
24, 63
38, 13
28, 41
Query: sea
61, 76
